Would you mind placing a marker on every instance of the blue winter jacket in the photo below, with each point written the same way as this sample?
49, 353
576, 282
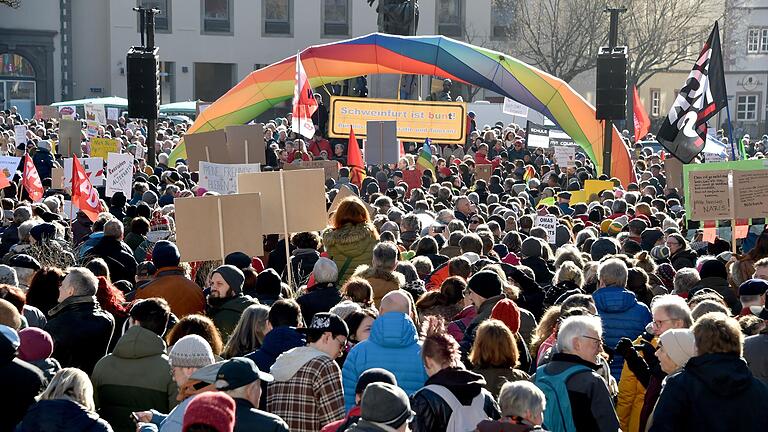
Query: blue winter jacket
276, 342
622, 316
393, 345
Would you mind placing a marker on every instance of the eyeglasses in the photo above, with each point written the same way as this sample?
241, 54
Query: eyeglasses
658, 323
599, 340
474, 221
672, 243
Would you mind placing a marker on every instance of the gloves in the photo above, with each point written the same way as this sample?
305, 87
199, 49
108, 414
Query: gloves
624, 348
649, 354
647, 349
634, 362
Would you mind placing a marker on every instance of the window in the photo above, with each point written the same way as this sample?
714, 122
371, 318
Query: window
335, 18
217, 16
764, 40
212, 80
167, 82
277, 17
753, 40
501, 18
163, 18
655, 103
746, 107
450, 18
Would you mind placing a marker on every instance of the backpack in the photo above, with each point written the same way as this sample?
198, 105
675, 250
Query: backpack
557, 415
464, 418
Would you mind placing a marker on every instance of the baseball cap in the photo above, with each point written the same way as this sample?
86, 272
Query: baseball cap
326, 322
238, 372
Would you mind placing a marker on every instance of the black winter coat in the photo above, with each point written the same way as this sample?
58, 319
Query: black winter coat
22, 383
81, 332
61, 415
433, 413
540, 269
119, 259
248, 418
683, 258
713, 392
320, 298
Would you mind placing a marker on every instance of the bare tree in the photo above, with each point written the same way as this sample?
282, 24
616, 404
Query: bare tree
12, 3
661, 35
560, 37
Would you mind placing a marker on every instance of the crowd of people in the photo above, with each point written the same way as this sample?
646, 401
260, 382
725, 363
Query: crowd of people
443, 307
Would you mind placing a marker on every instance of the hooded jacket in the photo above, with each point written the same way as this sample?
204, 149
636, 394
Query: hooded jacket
393, 345
433, 412
276, 342
683, 258
714, 392
81, 332
319, 298
306, 392
225, 313
183, 296
622, 316
61, 415
135, 377
23, 382
353, 243
382, 281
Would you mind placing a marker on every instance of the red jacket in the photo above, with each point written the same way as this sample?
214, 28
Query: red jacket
315, 147
356, 411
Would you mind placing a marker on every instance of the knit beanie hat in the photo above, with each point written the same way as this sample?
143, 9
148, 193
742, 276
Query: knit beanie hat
233, 276
713, 268
605, 226
191, 351
485, 283
602, 247
507, 312
531, 247
373, 375
36, 344
165, 254
215, 409
666, 273
150, 198
679, 344
617, 225
385, 404
240, 260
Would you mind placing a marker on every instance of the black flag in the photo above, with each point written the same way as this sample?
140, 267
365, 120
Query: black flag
684, 131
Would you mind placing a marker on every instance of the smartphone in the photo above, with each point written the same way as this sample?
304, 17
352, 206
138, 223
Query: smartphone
135, 418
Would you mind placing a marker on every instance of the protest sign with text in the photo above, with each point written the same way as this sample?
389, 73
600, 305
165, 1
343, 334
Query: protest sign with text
222, 178
119, 174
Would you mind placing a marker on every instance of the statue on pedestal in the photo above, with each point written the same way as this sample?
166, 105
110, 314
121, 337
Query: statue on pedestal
397, 17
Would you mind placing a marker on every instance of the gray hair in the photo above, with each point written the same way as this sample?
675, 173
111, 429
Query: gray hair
113, 228
8, 275
685, 279
612, 272
619, 206
410, 222
674, 306
71, 384
325, 271
82, 280
576, 326
518, 397
385, 255
53, 203
25, 228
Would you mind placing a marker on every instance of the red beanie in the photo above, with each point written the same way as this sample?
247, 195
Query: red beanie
215, 409
507, 312
36, 344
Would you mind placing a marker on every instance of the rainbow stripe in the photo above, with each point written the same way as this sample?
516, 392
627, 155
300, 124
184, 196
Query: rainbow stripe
379, 53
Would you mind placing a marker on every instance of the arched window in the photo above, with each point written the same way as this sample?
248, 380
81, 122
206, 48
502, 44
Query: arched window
14, 65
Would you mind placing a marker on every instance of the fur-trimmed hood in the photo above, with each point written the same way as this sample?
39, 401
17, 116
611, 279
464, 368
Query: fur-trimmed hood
368, 273
347, 235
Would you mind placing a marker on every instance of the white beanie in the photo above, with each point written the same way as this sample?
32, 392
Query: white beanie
191, 351
679, 344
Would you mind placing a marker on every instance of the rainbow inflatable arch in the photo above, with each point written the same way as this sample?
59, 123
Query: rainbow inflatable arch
379, 53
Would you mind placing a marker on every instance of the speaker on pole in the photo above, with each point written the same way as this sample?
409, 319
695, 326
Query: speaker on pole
611, 95
143, 79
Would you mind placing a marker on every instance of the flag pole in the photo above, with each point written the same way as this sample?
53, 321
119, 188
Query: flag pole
730, 132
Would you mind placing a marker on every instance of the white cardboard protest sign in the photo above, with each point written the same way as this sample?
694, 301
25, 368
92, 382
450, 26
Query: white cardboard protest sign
113, 113
20, 133
565, 156
94, 167
549, 223
8, 165
222, 178
95, 112
515, 108
119, 173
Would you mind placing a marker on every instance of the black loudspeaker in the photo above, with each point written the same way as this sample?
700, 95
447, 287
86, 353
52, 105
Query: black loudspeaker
143, 75
611, 95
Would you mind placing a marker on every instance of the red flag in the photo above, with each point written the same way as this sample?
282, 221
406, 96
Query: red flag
4, 182
84, 195
304, 103
31, 180
402, 149
355, 160
642, 122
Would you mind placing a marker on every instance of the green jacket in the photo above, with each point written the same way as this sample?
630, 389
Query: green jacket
135, 377
226, 315
350, 242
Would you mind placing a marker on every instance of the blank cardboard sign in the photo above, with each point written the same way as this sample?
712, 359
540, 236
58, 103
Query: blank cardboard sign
304, 199
69, 138
484, 172
331, 167
239, 136
381, 145
206, 146
209, 228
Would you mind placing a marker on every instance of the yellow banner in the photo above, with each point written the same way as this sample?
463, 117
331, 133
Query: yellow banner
442, 122
101, 147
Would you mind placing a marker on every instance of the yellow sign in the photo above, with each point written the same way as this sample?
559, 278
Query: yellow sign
593, 188
442, 122
101, 147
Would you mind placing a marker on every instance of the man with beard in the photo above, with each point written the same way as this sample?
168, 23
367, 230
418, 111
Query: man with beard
226, 302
